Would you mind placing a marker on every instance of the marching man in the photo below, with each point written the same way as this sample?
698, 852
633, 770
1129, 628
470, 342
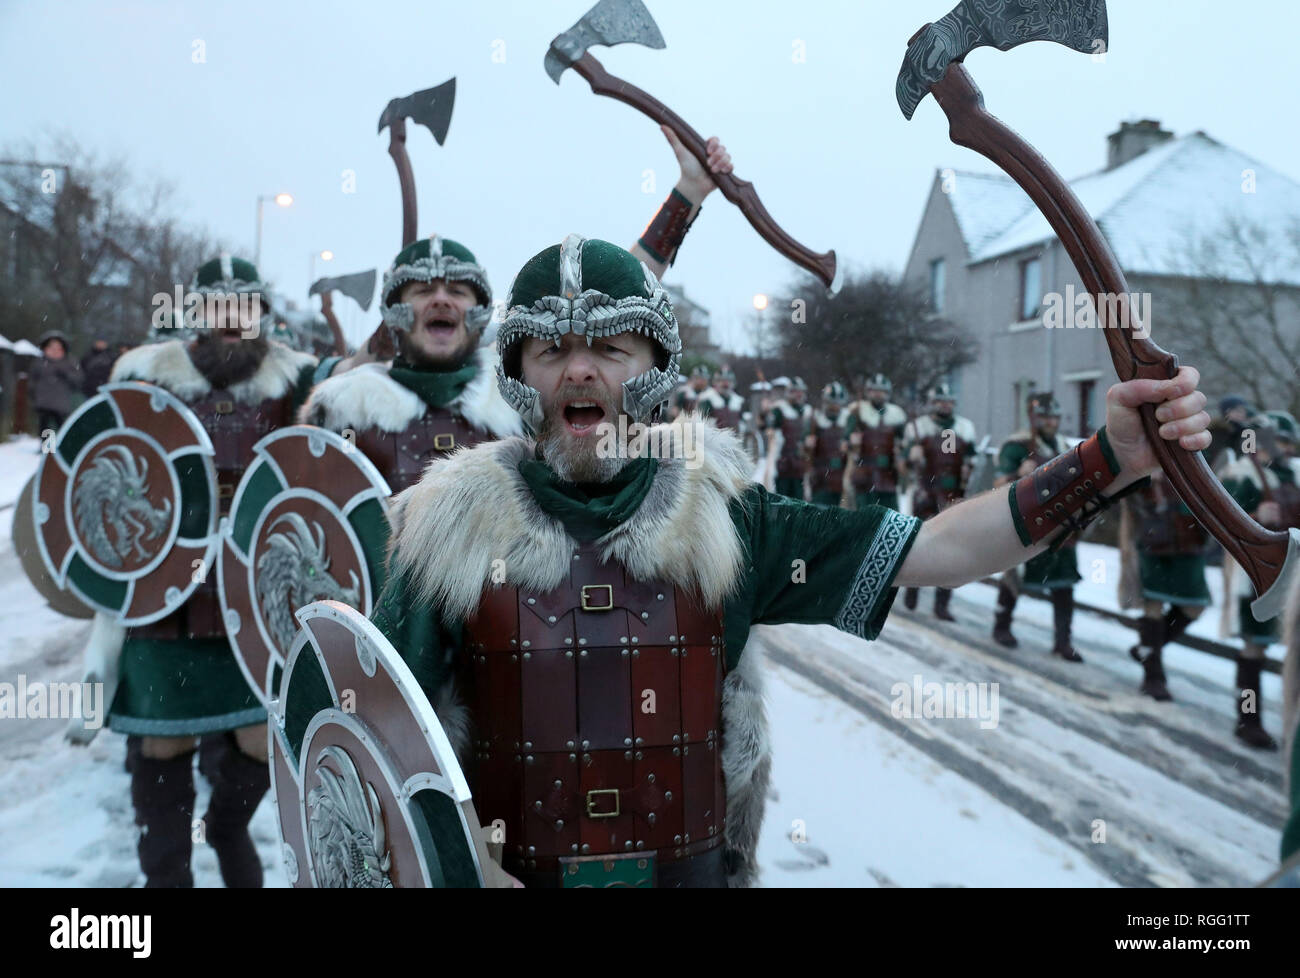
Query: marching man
721, 402
786, 423
939, 447
825, 444
556, 587
1055, 572
876, 458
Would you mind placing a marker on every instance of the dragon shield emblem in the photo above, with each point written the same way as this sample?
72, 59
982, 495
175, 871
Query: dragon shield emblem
345, 827
293, 571
115, 518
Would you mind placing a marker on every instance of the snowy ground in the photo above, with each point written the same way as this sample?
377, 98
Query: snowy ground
875, 800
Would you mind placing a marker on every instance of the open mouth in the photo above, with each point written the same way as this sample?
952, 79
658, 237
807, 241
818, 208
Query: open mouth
581, 416
441, 327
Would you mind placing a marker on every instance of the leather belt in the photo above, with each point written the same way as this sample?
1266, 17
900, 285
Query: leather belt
705, 870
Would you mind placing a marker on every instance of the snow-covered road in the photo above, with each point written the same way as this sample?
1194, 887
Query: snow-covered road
1075, 756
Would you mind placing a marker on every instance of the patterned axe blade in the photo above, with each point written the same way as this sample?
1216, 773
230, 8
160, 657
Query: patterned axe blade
608, 23
359, 287
431, 108
1002, 24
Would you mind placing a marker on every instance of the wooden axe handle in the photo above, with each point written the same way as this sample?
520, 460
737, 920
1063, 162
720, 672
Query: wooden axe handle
397, 150
1261, 552
739, 192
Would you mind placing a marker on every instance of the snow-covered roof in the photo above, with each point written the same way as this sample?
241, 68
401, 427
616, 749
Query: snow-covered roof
26, 348
5, 344
1151, 209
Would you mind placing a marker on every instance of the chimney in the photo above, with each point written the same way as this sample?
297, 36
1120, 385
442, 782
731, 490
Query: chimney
1132, 139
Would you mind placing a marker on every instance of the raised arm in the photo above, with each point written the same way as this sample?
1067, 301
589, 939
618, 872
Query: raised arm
980, 536
658, 245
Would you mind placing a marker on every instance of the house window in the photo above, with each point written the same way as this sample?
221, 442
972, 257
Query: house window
936, 284
1031, 288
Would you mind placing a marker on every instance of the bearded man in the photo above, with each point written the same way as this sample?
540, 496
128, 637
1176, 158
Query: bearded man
177, 677
578, 616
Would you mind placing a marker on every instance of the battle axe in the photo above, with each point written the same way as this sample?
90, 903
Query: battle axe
933, 64
613, 22
359, 287
432, 108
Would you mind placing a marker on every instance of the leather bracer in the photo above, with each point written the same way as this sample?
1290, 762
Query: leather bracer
668, 228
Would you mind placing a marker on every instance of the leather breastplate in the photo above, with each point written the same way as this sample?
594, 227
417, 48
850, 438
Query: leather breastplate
1164, 528
596, 713
1287, 496
401, 456
726, 417
234, 427
790, 464
828, 459
875, 468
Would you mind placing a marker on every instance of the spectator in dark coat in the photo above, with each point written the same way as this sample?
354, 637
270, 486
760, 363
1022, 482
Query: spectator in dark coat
53, 380
95, 367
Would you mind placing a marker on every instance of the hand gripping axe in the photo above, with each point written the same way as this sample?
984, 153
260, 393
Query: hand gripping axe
432, 108
613, 22
933, 65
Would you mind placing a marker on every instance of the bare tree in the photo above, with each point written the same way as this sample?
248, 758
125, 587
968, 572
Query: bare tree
1235, 310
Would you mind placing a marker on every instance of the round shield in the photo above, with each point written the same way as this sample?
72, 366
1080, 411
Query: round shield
309, 522
125, 508
23, 532
367, 789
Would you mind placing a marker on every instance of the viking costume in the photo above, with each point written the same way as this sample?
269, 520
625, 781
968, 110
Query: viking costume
877, 459
404, 415
945, 444
178, 676
725, 407
689, 397
829, 437
584, 645
1054, 573
1251, 482
1169, 545
787, 421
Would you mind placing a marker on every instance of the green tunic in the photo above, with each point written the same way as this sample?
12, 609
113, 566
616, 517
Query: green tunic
1248, 496
1048, 570
180, 687
801, 563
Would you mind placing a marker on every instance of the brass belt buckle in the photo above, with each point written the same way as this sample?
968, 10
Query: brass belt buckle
444, 442
591, 803
225, 490
225, 407
609, 597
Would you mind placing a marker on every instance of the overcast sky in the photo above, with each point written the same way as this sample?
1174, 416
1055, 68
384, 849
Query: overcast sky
288, 96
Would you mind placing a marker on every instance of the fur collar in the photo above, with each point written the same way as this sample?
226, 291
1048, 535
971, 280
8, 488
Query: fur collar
473, 509
366, 397
789, 410
168, 365
925, 426
891, 415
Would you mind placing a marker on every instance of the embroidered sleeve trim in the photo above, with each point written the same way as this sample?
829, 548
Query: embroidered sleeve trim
871, 584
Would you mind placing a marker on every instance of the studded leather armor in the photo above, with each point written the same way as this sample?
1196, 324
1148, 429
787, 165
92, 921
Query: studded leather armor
939, 483
1165, 528
791, 463
596, 715
726, 417
828, 458
401, 456
875, 470
234, 427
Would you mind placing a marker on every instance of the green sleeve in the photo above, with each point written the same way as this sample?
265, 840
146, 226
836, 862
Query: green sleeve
302, 387
815, 564
324, 369
1245, 492
1009, 458
427, 644
851, 425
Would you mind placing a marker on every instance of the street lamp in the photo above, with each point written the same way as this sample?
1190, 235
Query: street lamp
325, 255
284, 200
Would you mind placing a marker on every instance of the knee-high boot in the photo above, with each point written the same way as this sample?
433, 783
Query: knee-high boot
1152, 634
1002, 617
162, 793
1062, 620
942, 596
240, 782
1250, 727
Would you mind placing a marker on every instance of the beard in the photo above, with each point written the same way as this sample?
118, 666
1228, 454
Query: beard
224, 363
580, 459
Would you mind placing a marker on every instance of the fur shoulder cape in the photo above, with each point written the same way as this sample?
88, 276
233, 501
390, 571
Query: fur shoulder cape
366, 397
890, 417
924, 426
168, 365
474, 507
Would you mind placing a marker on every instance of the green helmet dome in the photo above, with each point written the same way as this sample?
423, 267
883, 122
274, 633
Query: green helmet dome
592, 288
424, 261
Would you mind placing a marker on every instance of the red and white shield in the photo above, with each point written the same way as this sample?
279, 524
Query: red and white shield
367, 789
125, 508
309, 522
